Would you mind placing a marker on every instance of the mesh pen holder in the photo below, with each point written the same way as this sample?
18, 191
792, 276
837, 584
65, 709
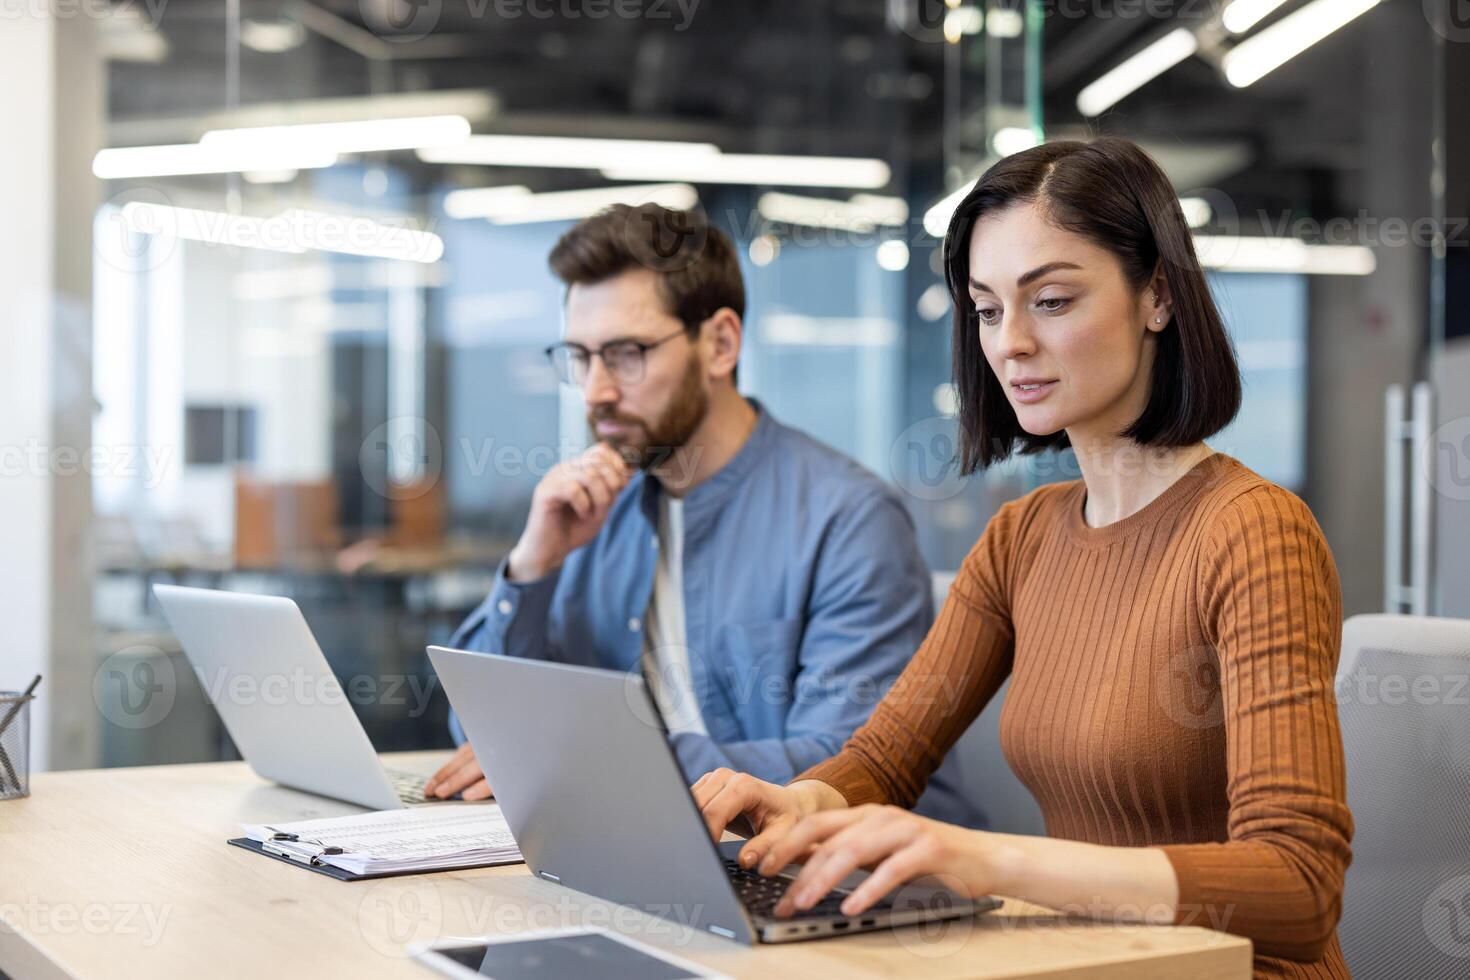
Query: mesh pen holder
15, 745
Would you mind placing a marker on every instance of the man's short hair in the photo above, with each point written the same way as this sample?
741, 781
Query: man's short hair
698, 272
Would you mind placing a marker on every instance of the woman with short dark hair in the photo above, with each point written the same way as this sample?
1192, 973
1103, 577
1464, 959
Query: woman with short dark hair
1170, 623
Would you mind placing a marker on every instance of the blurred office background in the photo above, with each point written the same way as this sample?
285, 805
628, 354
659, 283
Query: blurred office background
307, 361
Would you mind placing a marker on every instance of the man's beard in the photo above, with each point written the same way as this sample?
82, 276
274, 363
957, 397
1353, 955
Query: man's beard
669, 432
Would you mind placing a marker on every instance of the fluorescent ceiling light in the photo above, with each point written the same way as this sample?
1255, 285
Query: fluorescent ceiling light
1012, 139
933, 302
515, 209
192, 158
661, 160
1260, 54
141, 47
946, 399
196, 225
477, 105
271, 36
887, 210
483, 202
1197, 211
860, 173
936, 219
1233, 253
1137, 71
1241, 15
1003, 22
270, 176
563, 151
892, 255
959, 21
293, 231
764, 249
361, 136
861, 213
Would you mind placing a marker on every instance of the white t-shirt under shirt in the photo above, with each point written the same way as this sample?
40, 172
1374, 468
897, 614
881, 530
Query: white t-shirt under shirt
665, 655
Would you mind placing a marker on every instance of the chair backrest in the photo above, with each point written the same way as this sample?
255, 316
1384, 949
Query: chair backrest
985, 776
1403, 690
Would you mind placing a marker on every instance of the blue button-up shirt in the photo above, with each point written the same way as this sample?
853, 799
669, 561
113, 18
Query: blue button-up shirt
804, 597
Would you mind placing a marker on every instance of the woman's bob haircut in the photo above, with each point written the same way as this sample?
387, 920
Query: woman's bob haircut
1113, 194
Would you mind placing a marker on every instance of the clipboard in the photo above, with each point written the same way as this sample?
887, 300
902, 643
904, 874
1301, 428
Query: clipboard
341, 874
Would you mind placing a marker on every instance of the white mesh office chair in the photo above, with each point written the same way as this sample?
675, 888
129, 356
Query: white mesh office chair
1403, 688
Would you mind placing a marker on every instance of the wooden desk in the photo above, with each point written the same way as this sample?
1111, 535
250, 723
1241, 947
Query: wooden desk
125, 873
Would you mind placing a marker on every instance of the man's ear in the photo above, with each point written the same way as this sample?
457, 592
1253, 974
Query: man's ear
723, 333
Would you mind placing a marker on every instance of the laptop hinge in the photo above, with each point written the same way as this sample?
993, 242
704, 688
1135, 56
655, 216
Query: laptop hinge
549, 876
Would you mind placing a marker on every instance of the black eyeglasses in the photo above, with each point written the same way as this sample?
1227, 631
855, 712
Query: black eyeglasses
624, 359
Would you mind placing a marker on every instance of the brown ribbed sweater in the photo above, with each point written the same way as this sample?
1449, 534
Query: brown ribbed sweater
1171, 686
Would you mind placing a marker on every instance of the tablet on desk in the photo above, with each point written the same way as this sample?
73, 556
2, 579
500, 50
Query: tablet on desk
572, 952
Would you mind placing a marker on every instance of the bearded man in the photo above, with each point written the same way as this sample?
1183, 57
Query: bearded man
769, 588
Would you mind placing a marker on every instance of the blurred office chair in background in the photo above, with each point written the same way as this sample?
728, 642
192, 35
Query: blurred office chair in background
1403, 690
285, 524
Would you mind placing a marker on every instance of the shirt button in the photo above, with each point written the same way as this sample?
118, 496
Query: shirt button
504, 606
635, 624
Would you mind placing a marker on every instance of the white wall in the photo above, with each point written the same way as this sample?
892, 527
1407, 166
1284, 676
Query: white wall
203, 338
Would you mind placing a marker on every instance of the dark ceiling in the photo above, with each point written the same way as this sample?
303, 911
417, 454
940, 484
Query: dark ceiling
793, 77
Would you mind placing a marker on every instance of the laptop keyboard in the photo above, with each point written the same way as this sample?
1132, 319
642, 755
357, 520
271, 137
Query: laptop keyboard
760, 894
409, 786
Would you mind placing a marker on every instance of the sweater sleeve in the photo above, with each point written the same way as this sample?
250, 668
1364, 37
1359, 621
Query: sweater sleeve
1269, 593
957, 670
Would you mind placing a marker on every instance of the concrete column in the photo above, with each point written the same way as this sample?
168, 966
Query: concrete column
51, 112
1368, 333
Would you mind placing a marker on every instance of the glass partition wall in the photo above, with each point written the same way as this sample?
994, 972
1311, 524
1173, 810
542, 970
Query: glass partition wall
321, 295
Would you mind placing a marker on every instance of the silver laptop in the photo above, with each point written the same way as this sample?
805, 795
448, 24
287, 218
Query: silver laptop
263, 671
584, 773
